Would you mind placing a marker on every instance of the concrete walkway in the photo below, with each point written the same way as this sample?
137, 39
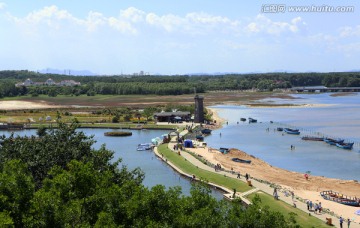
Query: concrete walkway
258, 186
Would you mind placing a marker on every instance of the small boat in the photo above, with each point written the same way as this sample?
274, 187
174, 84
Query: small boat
333, 141
251, 120
144, 146
243, 119
199, 137
340, 198
292, 131
346, 146
312, 138
224, 150
279, 129
241, 160
206, 131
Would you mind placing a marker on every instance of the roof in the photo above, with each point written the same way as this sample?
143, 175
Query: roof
171, 113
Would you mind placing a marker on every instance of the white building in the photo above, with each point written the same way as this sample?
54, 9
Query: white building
50, 82
28, 82
69, 83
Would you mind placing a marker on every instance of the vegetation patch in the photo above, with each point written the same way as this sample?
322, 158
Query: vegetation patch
303, 219
188, 167
118, 133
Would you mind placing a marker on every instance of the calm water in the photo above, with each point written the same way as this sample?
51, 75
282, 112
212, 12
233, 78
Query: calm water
340, 119
156, 171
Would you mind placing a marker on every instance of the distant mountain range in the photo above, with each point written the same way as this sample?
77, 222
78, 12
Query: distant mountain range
89, 73
67, 72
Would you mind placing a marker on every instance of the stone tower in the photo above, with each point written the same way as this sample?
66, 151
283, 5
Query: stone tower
199, 109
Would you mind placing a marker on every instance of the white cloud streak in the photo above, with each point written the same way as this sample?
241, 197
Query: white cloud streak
133, 21
2, 5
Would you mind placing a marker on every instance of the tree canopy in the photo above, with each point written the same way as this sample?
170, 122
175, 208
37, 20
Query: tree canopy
169, 85
56, 179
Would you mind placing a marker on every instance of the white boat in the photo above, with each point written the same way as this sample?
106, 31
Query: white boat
145, 146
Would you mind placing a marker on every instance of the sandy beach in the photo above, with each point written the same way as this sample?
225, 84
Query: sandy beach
306, 189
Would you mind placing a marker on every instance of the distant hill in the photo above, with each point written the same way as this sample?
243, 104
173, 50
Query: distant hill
67, 72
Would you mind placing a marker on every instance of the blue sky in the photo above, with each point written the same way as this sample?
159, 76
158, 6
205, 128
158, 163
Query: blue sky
178, 37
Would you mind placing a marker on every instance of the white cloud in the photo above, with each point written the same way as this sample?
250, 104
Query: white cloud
133, 14
2, 5
266, 25
350, 31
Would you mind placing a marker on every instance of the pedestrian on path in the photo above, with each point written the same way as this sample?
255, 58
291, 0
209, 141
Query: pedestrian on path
341, 220
308, 204
348, 222
247, 176
238, 176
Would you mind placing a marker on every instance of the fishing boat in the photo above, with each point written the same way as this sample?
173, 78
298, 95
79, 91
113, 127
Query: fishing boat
292, 131
251, 120
312, 138
333, 141
279, 129
243, 119
241, 160
340, 198
346, 146
206, 131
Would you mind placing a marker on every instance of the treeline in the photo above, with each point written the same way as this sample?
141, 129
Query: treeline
57, 179
170, 85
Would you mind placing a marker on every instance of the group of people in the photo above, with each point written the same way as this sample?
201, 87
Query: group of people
317, 206
217, 167
342, 220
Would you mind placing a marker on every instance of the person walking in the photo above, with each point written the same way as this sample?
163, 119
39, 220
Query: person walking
348, 222
341, 220
308, 204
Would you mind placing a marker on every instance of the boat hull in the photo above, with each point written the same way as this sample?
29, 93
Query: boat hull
241, 160
292, 131
340, 198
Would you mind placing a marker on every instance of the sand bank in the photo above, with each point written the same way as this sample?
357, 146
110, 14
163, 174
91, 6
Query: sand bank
17, 105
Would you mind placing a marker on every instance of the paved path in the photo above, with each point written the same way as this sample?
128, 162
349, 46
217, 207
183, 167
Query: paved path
257, 186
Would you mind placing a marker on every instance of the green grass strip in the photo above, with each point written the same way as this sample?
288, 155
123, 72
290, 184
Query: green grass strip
303, 218
188, 167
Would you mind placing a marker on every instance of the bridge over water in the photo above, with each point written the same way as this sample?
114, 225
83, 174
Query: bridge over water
322, 89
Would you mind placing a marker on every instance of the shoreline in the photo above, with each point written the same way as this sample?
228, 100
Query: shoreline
291, 180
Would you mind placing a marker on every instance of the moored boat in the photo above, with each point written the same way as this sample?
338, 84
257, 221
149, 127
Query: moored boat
224, 150
340, 198
292, 131
199, 137
346, 146
243, 119
333, 141
144, 146
206, 131
279, 129
312, 138
252, 120
241, 160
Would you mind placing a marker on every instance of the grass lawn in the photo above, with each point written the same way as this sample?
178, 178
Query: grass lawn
187, 167
302, 217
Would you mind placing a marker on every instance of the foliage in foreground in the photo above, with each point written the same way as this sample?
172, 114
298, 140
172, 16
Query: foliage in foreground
59, 180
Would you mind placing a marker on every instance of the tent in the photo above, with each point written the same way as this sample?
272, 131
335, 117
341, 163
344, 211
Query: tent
188, 143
